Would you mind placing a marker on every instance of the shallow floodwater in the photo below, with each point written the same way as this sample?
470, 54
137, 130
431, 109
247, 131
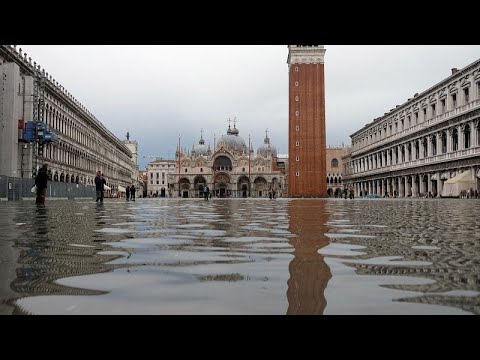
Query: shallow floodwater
241, 256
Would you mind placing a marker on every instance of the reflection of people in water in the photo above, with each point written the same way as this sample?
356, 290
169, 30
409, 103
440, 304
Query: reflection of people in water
309, 274
41, 220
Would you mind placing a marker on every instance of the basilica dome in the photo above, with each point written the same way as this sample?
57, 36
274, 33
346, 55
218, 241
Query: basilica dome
232, 142
267, 148
201, 148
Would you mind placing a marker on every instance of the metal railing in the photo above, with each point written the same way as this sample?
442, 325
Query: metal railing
13, 189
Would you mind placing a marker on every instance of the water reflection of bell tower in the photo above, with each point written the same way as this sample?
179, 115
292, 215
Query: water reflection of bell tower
307, 141
309, 274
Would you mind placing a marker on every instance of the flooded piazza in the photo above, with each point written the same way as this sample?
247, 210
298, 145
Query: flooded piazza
241, 256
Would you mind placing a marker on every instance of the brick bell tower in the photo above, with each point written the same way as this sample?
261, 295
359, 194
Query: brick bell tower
306, 139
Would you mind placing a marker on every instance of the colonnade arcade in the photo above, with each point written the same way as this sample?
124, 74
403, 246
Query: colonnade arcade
419, 184
223, 184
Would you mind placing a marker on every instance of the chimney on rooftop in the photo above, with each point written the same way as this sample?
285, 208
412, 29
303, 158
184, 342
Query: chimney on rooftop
454, 71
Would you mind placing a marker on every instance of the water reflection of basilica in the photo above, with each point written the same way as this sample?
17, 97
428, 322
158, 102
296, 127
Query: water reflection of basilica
309, 274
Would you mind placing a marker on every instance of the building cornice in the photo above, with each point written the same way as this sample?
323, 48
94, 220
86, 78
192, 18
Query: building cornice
306, 54
11, 53
442, 121
448, 85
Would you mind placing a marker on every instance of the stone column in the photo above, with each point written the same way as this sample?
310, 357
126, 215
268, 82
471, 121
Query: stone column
461, 144
429, 183
420, 149
414, 187
407, 190
476, 124
429, 146
449, 140
477, 181
439, 143
439, 185
422, 185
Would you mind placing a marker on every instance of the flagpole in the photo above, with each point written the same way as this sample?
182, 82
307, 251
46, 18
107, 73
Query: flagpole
249, 168
179, 164
214, 169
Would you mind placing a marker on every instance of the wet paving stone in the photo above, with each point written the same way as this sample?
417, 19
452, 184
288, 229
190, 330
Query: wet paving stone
241, 256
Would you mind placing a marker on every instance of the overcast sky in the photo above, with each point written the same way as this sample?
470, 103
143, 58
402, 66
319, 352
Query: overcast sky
159, 92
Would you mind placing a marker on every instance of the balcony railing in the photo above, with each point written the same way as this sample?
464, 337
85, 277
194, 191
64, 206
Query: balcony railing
457, 155
421, 126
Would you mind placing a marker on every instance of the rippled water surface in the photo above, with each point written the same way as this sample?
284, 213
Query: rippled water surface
236, 256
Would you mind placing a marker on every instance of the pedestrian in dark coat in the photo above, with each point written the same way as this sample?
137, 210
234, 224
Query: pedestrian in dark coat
41, 182
99, 186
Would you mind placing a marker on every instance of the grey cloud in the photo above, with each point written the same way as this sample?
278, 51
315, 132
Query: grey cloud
157, 92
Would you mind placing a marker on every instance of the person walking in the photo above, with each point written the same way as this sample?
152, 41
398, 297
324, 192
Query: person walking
206, 192
127, 192
41, 182
99, 186
104, 182
132, 192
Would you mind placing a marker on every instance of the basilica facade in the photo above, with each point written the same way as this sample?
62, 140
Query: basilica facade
231, 169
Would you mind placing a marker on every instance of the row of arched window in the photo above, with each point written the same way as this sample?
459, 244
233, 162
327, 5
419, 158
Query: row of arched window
334, 180
420, 148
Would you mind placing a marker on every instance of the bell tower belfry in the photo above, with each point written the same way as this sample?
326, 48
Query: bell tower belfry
307, 138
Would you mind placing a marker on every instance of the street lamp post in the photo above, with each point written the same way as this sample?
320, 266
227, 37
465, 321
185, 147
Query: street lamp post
249, 168
179, 165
